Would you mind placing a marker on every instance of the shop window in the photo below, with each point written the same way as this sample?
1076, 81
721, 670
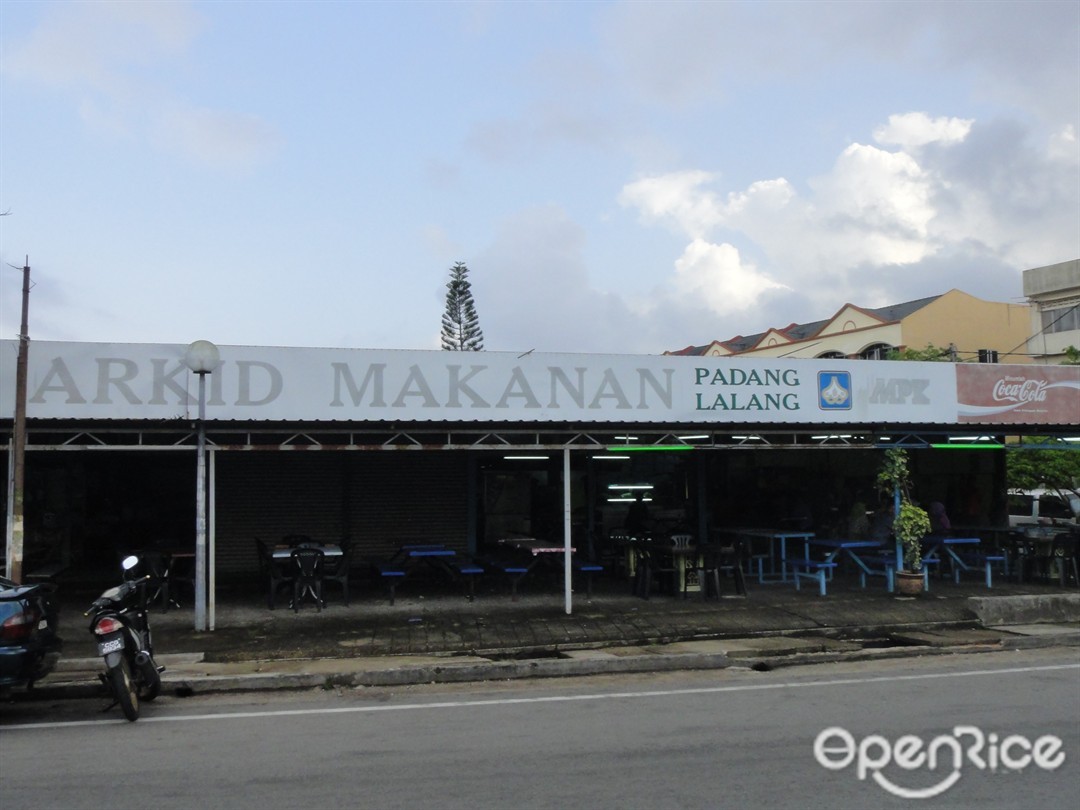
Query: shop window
1061, 319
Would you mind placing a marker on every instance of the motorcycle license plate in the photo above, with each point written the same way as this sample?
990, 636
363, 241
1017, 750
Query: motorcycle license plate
112, 645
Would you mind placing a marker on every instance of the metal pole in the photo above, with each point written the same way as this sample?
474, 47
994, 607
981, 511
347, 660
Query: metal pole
568, 571
899, 545
200, 513
16, 534
9, 520
212, 540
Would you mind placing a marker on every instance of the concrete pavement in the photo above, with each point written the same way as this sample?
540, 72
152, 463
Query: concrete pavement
440, 637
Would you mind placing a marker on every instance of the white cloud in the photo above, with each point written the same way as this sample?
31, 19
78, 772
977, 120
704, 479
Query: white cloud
1019, 53
873, 212
874, 207
770, 196
98, 46
716, 276
911, 130
677, 198
99, 51
216, 137
1063, 145
532, 290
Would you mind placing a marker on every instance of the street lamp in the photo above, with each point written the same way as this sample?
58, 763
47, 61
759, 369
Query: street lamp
202, 358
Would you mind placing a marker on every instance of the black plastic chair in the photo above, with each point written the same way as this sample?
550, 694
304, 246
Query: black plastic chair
156, 564
181, 576
274, 573
716, 560
337, 569
307, 576
655, 567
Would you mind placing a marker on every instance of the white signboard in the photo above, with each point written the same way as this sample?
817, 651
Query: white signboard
150, 381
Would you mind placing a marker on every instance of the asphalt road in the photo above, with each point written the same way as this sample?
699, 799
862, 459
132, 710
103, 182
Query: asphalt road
730, 738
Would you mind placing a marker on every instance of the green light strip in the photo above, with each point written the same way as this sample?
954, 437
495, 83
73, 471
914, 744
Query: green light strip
625, 448
968, 446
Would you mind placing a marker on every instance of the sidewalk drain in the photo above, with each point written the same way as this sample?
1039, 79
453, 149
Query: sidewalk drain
526, 655
887, 642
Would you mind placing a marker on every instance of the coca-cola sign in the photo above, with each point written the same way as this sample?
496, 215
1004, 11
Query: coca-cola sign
1020, 390
1010, 394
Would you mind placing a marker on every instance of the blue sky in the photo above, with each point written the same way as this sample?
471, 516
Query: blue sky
618, 177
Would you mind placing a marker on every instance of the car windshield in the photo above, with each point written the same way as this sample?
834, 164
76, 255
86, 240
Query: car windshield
1020, 504
1054, 507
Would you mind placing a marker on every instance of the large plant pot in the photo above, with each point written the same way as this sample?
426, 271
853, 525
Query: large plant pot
909, 583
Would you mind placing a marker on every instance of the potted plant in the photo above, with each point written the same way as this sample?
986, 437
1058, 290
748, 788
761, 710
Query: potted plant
911, 523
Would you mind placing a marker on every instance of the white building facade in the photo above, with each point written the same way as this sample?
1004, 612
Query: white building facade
1054, 294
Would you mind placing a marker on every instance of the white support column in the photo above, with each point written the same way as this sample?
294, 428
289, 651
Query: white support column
212, 542
200, 511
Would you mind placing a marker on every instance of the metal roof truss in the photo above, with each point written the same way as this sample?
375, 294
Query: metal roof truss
455, 437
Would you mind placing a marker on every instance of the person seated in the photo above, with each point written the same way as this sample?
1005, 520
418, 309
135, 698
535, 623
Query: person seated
858, 524
940, 525
881, 523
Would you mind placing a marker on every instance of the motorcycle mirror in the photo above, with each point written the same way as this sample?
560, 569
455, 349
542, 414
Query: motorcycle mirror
130, 562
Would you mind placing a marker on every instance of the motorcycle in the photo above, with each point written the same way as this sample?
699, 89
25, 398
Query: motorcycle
120, 624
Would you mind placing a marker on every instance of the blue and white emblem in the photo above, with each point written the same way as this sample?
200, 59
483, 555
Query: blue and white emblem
834, 390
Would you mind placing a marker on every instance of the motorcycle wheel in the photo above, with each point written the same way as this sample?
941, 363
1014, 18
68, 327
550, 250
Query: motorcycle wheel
152, 688
123, 687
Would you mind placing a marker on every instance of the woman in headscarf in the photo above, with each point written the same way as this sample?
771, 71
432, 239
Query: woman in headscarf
939, 521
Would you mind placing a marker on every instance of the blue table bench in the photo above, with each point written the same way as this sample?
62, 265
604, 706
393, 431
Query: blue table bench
392, 574
879, 564
468, 571
964, 559
588, 568
409, 558
513, 570
976, 560
810, 569
888, 564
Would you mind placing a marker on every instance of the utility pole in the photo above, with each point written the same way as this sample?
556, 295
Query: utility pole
16, 524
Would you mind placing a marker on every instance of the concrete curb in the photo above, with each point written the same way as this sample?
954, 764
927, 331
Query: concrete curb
1029, 609
763, 653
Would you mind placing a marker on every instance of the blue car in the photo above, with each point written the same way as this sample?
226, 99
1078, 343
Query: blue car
29, 644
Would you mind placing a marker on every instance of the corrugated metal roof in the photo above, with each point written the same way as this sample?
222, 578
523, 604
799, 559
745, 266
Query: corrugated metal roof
803, 331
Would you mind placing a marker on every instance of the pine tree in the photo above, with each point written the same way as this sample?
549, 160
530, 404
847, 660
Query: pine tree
460, 324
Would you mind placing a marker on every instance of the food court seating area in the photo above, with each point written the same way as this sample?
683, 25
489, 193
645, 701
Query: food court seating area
671, 565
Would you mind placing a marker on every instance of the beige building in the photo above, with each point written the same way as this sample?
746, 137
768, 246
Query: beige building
973, 328
1054, 293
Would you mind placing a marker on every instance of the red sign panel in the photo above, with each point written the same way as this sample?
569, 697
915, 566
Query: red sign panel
1014, 394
